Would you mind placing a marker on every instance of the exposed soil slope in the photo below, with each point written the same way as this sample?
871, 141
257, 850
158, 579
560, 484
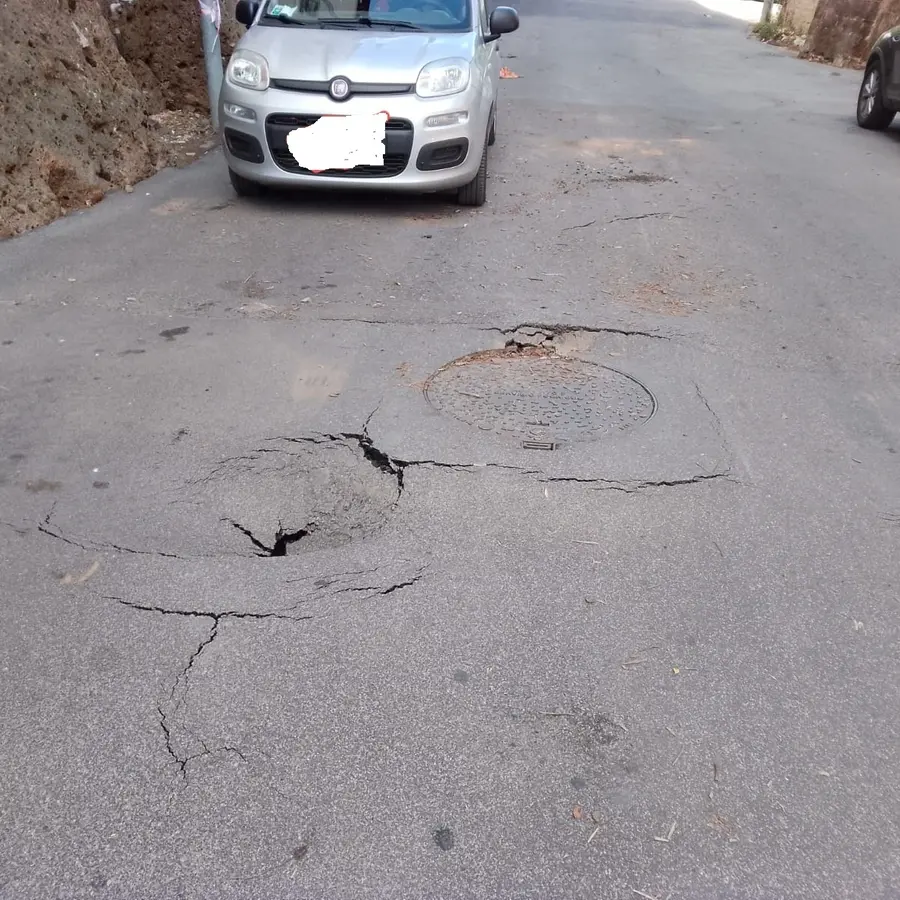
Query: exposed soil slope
83, 84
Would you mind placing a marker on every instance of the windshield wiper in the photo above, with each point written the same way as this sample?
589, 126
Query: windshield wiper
339, 23
364, 21
389, 23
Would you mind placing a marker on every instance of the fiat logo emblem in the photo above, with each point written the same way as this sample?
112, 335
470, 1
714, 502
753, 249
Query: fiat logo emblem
339, 89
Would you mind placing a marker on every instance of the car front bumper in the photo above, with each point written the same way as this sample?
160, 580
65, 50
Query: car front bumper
419, 156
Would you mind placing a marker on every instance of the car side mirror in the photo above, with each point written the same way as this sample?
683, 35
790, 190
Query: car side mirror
245, 12
504, 20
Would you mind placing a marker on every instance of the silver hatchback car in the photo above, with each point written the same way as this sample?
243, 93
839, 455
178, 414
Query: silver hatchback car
396, 94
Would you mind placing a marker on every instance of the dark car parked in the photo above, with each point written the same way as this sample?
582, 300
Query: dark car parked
879, 94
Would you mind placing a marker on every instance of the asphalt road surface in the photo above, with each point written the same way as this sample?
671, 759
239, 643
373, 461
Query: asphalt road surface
290, 610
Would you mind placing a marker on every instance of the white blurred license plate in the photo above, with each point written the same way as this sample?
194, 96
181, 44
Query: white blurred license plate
339, 142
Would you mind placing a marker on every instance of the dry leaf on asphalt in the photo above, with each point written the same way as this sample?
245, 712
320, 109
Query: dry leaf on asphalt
508, 73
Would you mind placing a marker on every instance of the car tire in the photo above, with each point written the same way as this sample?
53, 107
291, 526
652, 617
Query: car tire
244, 187
871, 113
492, 134
475, 192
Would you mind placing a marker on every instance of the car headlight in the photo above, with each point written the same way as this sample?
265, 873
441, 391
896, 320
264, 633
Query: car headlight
443, 77
249, 70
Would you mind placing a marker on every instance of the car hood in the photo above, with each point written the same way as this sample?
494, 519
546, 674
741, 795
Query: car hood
363, 55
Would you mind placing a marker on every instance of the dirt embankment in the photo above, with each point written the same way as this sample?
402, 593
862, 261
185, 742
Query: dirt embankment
843, 31
96, 96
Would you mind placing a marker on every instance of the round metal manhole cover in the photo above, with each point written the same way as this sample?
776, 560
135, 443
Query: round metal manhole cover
539, 398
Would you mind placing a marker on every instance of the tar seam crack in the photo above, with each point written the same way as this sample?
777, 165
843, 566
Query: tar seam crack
650, 215
717, 422
176, 700
22, 532
397, 467
554, 331
207, 614
632, 487
46, 527
372, 591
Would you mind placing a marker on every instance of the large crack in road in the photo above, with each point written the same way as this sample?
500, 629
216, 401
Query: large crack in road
182, 742
583, 638
318, 520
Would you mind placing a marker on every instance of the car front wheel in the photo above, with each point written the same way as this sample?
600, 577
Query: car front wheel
871, 112
475, 192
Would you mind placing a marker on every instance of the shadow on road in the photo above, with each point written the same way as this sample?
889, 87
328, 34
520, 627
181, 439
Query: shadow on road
353, 202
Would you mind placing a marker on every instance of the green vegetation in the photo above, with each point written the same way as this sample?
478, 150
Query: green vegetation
769, 31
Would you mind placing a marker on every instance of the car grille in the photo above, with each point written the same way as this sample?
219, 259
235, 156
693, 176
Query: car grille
398, 141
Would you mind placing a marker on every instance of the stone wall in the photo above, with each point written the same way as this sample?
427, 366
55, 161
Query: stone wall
888, 17
797, 15
843, 31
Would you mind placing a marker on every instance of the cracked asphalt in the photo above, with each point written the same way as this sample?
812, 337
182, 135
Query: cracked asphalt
275, 626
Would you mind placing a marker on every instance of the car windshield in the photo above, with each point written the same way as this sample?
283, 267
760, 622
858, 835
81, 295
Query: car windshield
391, 15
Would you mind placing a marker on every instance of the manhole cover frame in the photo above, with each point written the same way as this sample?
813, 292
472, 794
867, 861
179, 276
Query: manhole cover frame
499, 355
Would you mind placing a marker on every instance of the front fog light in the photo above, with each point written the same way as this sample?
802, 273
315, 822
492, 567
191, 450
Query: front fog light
456, 118
239, 112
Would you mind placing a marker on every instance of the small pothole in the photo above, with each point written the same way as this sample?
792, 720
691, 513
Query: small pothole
289, 495
536, 396
302, 494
